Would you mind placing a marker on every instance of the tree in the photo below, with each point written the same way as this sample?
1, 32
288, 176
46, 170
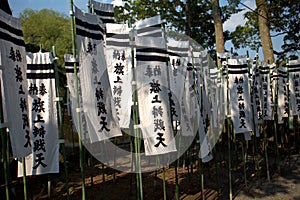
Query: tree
264, 31
192, 18
47, 28
216, 11
282, 18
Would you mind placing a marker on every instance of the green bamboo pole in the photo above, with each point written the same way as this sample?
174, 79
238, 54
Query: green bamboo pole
24, 178
5, 149
77, 100
5, 163
275, 96
137, 134
255, 146
289, 113
164, 183
228, 129
61, 128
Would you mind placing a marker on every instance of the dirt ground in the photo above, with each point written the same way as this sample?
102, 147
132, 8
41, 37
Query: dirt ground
284, 181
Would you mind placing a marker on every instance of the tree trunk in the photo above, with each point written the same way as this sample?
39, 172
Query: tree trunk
216, 11
264, 31
188, 18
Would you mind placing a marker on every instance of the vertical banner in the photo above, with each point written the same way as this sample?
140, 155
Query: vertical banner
189, 104
13, 65
104, 10
96, 96
119, 65
240, 106
43, 116
86, 127
283, 98
204, 119
223, 60
294, 86
266, 97
177, 66
153, 98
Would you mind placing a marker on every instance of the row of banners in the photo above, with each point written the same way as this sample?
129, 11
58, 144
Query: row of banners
178, 88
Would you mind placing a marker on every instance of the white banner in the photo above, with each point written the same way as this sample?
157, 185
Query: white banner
283, 97
43, 116
153, 99
13, 64
85, 124
240, 104
266, 98
119, 65
178, 59
294, 86
96, 95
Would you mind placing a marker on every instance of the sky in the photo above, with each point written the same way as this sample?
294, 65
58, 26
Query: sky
63, 6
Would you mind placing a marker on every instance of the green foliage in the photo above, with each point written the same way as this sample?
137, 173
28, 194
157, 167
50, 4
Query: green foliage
283, 17
44, 29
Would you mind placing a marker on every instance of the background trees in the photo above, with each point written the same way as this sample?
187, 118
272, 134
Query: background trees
282, 18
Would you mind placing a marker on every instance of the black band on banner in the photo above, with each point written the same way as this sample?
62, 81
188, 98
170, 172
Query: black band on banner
71, 64
238, 66
117, 36
149, 28
151, 58
150, 50
179, 54
101, 13
86, 25
84, 33
39, 66
9, 38
117, 44
40, 75
71, 70
11, 29
105, 20
237, 72
294, 69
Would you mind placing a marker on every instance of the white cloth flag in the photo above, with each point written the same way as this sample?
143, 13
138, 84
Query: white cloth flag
96, 95
149, 27
240, 105
283, 98
104, 10
43, 116
256, 100
86, 127
178, 61
153, 99
294, 86
266, 98
13, 64
223, 59
189, 105
119, 65
203, 109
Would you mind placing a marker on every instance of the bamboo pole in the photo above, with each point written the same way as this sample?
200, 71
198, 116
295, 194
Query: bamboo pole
61, 128
77, 100
24, 178
5, 149
137, 134
228, 129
